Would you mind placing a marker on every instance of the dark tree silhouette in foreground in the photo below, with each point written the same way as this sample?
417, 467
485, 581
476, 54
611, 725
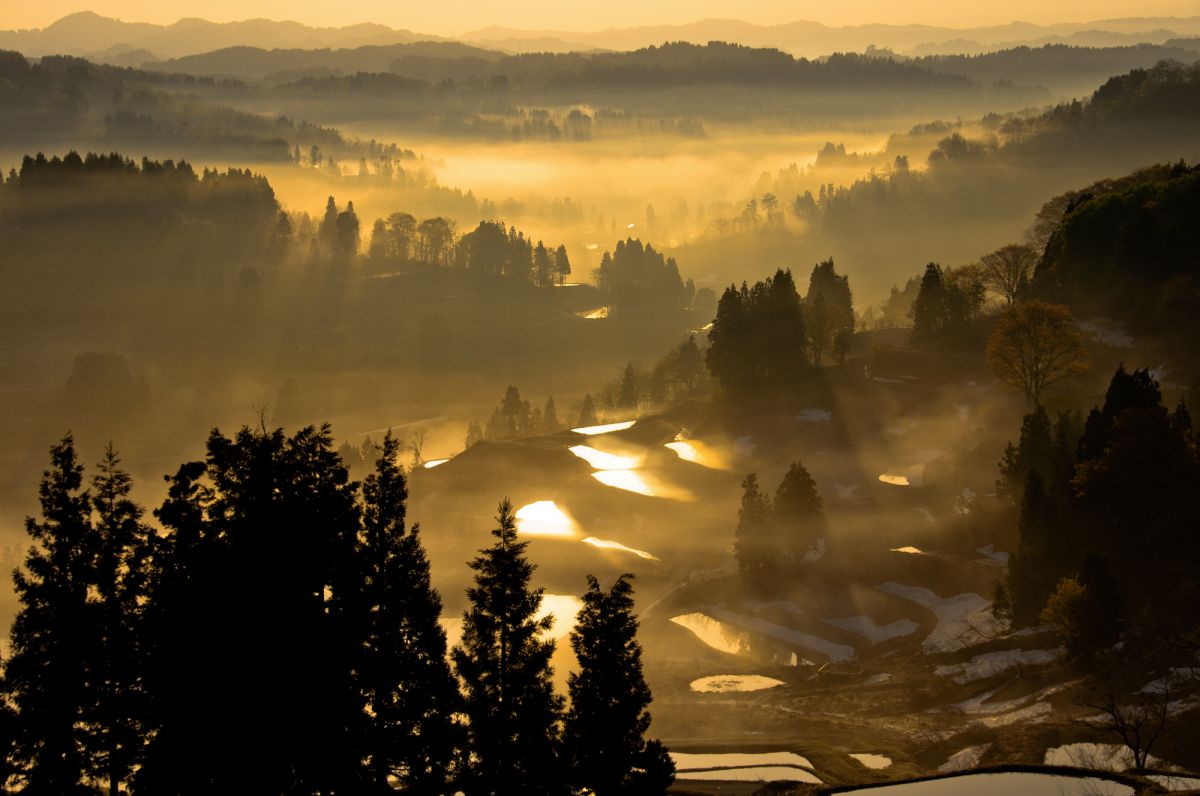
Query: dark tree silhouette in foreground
606, 725
403, 673
46, 674
504, 664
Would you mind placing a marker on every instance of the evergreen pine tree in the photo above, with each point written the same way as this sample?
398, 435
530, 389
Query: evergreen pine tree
117, 703
606, 725
752, 544
798, 515
550, 421
403, 674
587, 412
504, 664
46, 675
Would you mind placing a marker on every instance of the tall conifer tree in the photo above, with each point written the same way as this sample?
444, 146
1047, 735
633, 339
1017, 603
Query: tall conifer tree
504, 663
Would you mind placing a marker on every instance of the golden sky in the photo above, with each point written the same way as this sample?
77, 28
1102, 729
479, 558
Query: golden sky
449, 17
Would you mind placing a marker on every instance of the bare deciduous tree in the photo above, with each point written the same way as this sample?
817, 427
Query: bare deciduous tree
1008, 269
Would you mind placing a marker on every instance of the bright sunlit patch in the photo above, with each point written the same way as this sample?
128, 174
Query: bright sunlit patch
608, 544
685, 450
429, 465
604, 429
894, 480
713, 633
564, 608
630, 226
629, 480
605, 461
916, 551
544, 518
732, 683
594, 315
592, 247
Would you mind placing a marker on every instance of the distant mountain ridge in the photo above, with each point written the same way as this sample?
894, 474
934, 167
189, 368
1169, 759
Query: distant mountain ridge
114, 41
90, 35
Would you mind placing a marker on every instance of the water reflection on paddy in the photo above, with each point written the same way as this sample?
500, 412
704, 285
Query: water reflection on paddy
603, 460
605, 428
609, 544
544, 518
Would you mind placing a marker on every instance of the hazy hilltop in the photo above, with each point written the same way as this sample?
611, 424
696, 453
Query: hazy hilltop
257, 63
132, 43
87, 33
813, 38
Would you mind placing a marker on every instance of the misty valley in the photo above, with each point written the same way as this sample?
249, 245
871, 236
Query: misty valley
707, 408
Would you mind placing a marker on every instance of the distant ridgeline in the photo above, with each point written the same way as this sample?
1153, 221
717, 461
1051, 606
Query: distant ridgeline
1130, 248
62, 97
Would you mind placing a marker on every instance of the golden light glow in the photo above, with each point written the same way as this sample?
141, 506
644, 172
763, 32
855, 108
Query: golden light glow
602, 460
594, 315
697, 452
544, 518
916, 551
608, 544
894, 480
628, 480
604, 429
429, 465
712, 632
564, 608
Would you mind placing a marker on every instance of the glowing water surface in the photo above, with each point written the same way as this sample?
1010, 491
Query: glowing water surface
603, 460
605, 428
894, 480
873, 761
732, 683
691, 450
916, 551
544, 518
608, 544
629, 480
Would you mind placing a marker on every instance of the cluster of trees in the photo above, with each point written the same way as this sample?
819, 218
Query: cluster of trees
281, 634
947, 300
773, 536
677, 376
490, 250
763, 335
515, 418
641, 280
132, 209
1126, 249
1106, 517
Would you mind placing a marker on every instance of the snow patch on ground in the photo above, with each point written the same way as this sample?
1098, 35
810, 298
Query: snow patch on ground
1097, 756
962, 620
686, 761
1177, 676
992, 556
831, 650
964, 759
866, 626
1034, 714
991, 664
816, 552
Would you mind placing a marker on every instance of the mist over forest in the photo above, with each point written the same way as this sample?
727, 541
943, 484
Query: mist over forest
710, 408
